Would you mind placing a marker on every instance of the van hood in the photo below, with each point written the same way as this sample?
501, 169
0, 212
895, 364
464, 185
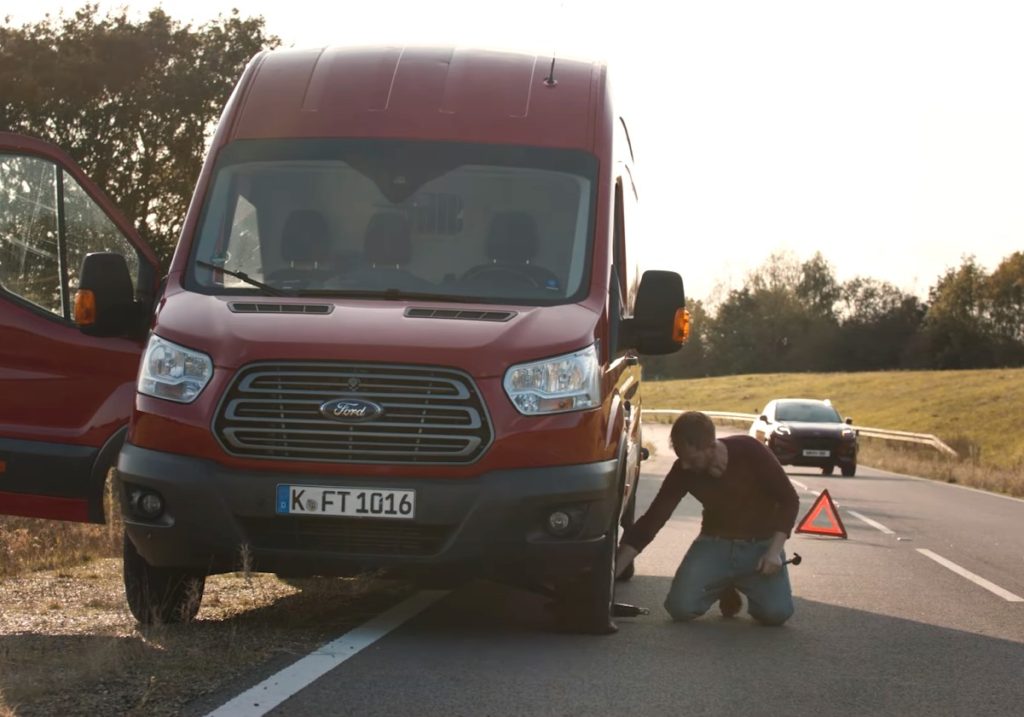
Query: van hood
235, 331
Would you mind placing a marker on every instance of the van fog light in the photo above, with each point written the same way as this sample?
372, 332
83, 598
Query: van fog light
147, 504
559, 523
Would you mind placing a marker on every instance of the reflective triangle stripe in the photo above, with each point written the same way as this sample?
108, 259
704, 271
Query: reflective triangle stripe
823, 508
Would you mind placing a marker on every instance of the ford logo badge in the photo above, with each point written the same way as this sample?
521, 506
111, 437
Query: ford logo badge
351, 410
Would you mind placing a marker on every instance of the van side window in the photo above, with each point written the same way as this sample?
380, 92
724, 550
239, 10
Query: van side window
619, 246
38, 261
88, 229
630, 261
29, 247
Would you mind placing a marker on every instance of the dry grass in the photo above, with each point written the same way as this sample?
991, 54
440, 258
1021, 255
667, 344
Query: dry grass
63, 614
977, 413
28, 544
930, 464
89, 657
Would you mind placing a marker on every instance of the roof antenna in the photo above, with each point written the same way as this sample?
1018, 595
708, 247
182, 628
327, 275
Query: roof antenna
550, 80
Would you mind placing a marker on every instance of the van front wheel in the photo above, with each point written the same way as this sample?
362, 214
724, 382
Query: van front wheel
159, 595
584, 605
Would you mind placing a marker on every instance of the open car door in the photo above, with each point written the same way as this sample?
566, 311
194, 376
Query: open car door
65, 396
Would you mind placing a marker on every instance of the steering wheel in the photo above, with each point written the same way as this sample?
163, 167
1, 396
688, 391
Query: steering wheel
501, 269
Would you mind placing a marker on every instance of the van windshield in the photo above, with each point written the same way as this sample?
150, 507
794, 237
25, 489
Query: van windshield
458, 222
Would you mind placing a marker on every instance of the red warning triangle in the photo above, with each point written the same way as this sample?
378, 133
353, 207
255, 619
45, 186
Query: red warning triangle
822, 519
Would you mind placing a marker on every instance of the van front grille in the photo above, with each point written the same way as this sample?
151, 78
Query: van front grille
426, 414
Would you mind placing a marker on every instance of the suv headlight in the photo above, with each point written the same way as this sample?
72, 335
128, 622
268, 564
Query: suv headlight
783, 430
848, 434
565, 383
173, 372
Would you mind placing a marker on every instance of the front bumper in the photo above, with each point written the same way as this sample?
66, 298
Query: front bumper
790, 451
220, 520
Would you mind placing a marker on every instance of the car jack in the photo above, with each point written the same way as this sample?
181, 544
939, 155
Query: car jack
624, 609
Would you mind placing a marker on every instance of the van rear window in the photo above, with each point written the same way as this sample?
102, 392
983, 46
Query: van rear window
448, 221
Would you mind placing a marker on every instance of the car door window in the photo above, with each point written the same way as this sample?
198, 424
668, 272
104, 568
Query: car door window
89, 229
29, 246
48, 224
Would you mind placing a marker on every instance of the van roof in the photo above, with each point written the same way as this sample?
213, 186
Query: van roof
445, 94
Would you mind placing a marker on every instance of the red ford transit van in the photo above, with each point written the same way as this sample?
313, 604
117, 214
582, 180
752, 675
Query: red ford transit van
400, 330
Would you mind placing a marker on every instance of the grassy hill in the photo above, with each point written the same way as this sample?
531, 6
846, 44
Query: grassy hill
979, 413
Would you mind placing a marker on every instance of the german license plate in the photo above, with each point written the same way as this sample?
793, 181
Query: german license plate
814, 453
345, 502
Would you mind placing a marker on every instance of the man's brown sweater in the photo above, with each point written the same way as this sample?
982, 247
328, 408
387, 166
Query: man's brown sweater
753, 497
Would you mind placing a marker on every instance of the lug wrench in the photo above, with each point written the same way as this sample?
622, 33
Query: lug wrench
795, 560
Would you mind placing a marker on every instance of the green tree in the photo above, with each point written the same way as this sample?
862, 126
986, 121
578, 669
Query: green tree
818, 288
957, 327
1006, 298
134, 102
782, 320
877, 324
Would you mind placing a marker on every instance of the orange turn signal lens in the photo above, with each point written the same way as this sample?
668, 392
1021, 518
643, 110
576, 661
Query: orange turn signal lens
85, 307
681, 326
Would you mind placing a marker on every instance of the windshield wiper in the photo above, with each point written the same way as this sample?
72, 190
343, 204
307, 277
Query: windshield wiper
245, 277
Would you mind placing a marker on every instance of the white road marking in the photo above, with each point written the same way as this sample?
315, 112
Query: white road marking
976, 579
277, 688
873, 523
799, 484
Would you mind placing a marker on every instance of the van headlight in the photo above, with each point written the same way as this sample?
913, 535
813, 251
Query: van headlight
173, 372
565, 383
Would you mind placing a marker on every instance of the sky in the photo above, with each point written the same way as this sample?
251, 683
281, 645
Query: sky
887, 135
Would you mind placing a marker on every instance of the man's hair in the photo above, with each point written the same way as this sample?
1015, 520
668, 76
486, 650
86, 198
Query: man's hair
694, 429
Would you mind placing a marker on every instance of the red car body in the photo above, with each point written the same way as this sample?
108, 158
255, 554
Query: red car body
68, 397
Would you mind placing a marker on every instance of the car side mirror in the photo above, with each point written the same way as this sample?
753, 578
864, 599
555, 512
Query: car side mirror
660, 322
849, 421
764, 418
105, 302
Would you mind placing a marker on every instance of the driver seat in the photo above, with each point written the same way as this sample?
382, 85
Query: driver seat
513, 241
305, 245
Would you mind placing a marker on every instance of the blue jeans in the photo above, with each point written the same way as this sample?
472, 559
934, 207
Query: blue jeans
710, 561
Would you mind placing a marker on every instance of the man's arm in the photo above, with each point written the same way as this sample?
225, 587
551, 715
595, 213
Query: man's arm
787, 506
642, 532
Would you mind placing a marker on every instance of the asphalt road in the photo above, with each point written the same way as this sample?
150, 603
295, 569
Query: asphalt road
880, 628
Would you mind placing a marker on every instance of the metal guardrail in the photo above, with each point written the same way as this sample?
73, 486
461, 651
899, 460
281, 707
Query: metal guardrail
925, 439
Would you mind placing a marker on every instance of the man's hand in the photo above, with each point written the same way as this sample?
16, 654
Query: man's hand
771, 562
623, 558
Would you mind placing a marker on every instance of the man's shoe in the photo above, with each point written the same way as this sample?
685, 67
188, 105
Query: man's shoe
730, 602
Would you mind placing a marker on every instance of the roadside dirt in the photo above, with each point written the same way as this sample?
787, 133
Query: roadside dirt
69, 646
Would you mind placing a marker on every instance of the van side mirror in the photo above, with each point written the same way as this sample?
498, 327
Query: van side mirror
660, 322
105, 302
763, 418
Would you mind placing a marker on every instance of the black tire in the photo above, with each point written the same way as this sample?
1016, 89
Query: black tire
850, 470
628, 518
584, 604
160, 595
827, 470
